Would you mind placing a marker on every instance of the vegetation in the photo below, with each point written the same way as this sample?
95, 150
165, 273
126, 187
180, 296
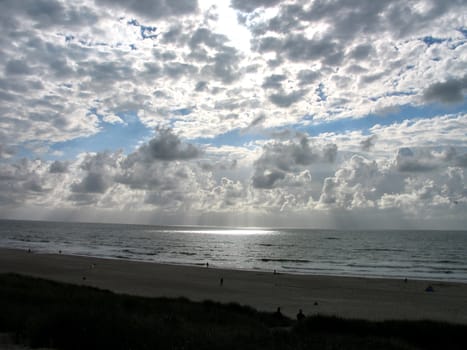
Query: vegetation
42, 313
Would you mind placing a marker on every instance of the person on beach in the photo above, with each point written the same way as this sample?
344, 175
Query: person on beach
429, 289
278, 313
300, 315
222, 281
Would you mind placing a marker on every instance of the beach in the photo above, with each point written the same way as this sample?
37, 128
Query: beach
348, 297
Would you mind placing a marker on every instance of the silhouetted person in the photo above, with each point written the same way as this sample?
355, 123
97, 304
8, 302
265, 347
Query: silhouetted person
278, 313
29, 250
275, 272
300, 315
207, 265
405, 280
429, 288
222, 281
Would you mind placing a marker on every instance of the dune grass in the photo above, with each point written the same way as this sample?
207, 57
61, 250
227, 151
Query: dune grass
43, 313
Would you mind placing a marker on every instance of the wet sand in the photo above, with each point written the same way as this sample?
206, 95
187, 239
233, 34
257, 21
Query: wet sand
349, 297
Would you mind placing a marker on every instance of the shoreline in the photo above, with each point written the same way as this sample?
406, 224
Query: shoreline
279, 271
220, 267
347, 297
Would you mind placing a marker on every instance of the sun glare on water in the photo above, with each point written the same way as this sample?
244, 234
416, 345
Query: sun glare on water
230, 231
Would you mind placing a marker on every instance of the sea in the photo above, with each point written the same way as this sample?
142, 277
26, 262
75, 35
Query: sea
413, 254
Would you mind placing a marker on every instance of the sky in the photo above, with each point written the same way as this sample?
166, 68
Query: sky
321, 114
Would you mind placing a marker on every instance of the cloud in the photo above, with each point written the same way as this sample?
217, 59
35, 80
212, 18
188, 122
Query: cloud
274, 81
267, 178
154, 9
22, 181
6, 152
450, 91
292, 156
368, 143
58, 167
427, 160
285, 100
352, 185
92, 183
166, 146
17, 67
249, 6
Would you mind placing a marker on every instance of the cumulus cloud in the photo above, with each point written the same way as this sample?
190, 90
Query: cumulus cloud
154, 9
6, 152
249, 6
58, 167
92, 183
368, 143
450, 91
166, 146
292, 156
425, 160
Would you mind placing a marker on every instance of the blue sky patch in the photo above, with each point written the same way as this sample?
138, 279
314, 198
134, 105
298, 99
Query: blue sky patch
429, 40
407, 112
112, 137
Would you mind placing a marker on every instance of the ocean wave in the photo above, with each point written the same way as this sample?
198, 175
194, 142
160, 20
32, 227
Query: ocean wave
185, 253
380, 249
284, 260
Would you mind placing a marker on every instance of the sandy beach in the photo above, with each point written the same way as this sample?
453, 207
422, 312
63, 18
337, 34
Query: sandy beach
349, 297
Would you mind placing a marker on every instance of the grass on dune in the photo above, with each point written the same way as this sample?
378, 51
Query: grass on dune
43, 313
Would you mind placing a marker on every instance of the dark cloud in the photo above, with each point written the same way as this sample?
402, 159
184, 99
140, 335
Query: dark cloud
408, 161
450, 91
361, 52
286, 156
266, 180
154, 9
255, 122
206, 37
307, 76
251, 5
274, 81
173, 34
6, 151
258, 120
92, 183
461, 160
103, 74
177, 70
368, 143
21, 181
166, 146
83, 199
225, 67
99, 169
58, 167
281, 158
330, 153
285, 100
17, 67
298, 48
425, 160
47, 13
201, 86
